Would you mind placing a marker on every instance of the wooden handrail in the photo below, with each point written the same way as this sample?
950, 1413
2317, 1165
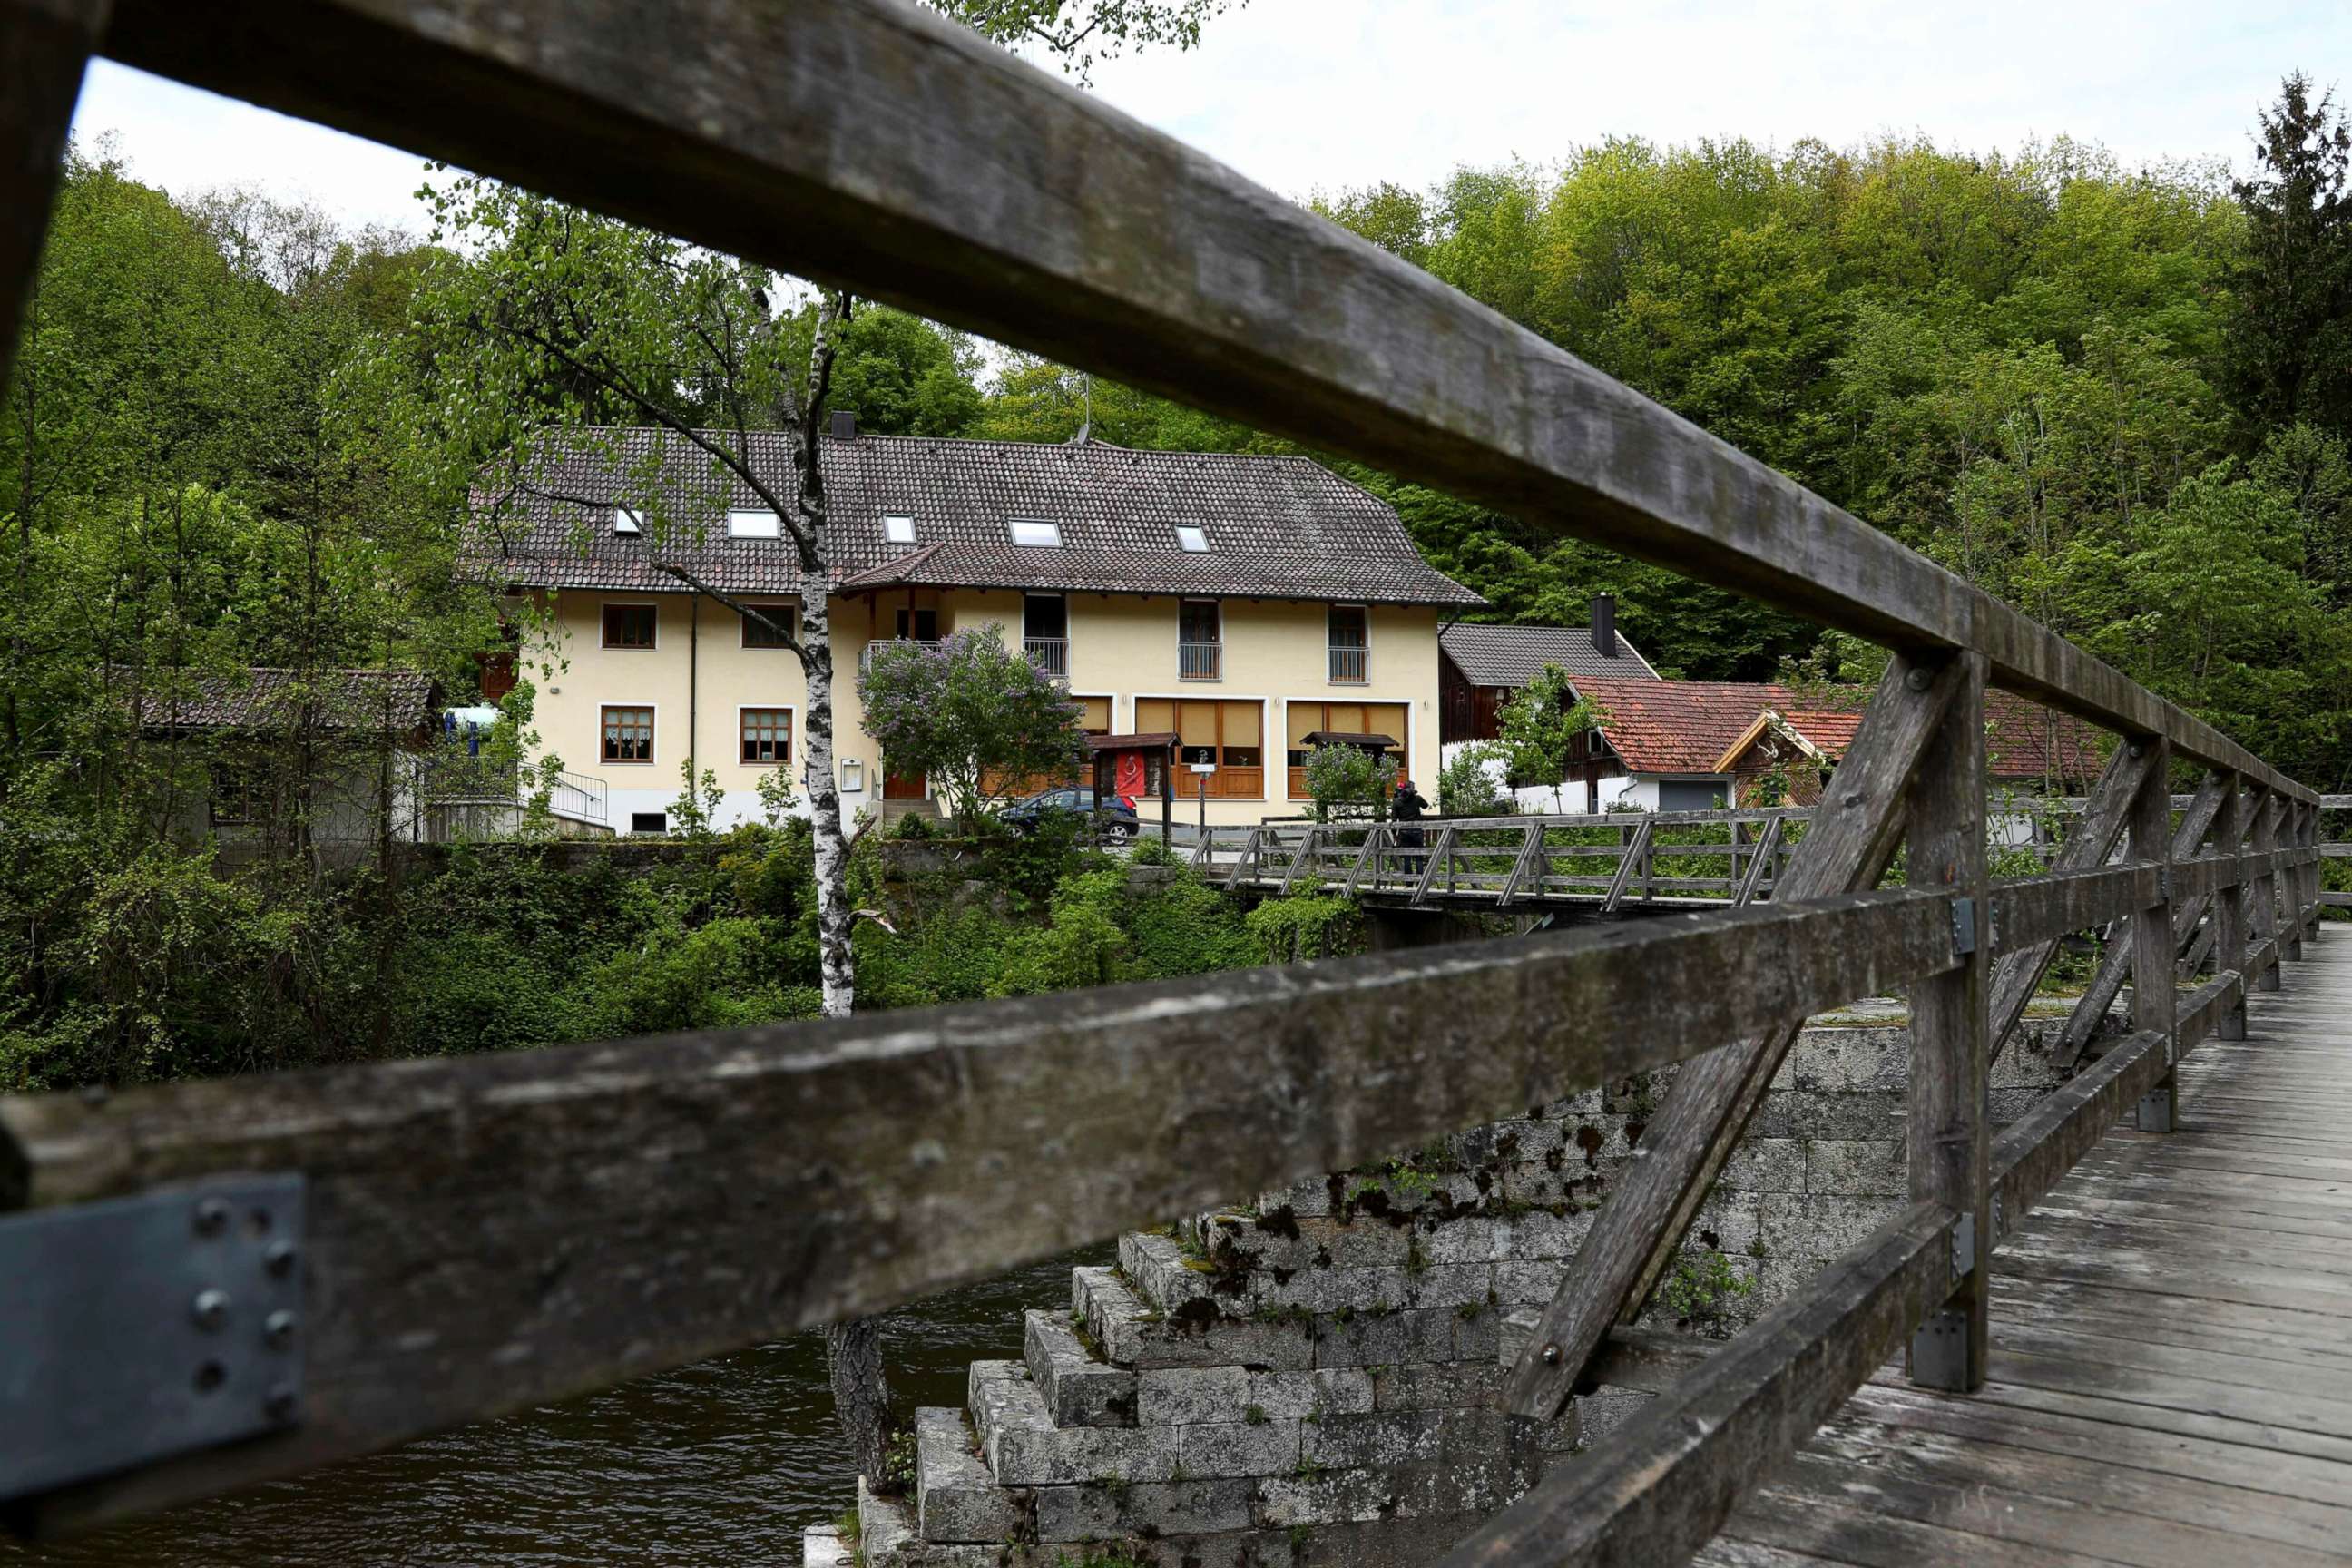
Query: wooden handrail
647, 1177
596, 1212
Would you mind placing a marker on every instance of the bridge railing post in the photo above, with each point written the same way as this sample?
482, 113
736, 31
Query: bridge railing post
2290, 882
2230, 946
2153, 966
1949, 1135
2262, 897
2312, 890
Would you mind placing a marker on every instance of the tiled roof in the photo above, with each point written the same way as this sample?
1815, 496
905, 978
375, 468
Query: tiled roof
1277, 527
2024, 741
373, 700
1514, 655
1677, 726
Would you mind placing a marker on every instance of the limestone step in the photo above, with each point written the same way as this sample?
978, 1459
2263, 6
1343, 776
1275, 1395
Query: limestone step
1080, 1387
1024, 1448
956, 1499
1136, 1335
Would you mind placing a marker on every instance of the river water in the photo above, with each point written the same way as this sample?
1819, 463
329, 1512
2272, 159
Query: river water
718, 1464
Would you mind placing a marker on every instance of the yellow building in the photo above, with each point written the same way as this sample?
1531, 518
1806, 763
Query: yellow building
1240, 601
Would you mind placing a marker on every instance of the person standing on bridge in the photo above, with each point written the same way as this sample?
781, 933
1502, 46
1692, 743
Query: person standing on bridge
1406, 806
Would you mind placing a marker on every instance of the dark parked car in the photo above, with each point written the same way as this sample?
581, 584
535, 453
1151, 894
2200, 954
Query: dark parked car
1117, 811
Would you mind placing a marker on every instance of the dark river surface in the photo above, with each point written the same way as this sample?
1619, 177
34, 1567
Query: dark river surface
713, 1466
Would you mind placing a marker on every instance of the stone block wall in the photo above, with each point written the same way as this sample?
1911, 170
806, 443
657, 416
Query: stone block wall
1311, 1377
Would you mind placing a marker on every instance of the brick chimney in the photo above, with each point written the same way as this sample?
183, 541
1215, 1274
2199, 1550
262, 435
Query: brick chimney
844, 425
1604, 625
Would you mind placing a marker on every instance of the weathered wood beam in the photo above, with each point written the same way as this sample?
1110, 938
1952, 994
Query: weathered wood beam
878, 147
492, 1232
44, 47
2034, 1152
1440, 854
1636, 848
1766, 848
2032, 911
1947, 1125
2020, 972
2150, 843
1664, 1483
1531, 844
2262, 900
2224, 866
1848, 842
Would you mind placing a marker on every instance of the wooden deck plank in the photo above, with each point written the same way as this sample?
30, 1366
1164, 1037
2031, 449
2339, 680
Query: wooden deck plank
2172, 1359
1919, 1451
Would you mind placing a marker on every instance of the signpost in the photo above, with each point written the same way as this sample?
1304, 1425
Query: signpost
1201, 771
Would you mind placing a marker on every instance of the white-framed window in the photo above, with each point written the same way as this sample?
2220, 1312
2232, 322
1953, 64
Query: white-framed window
625, 521
755, 523
1035, 533
1191, 537
899, 530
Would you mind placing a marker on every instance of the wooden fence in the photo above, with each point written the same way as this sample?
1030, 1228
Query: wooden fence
483, 1234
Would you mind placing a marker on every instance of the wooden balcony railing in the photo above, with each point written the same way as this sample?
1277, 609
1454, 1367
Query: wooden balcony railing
885, 149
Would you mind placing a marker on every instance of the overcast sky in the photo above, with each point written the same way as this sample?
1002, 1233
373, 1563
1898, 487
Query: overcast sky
1321, 94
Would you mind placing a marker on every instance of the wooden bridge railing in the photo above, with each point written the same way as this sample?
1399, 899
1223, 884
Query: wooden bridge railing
483, 1234
1711, 857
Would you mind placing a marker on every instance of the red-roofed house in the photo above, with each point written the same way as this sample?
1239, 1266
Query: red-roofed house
1662, 744
2029, 748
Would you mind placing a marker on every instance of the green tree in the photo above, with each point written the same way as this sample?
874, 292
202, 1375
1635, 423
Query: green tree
2290, 341
977, 718
1540, 727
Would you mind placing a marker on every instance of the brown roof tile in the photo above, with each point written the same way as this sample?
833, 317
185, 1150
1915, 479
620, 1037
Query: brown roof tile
1277, 527
260, 697
1514, 655
1677, 726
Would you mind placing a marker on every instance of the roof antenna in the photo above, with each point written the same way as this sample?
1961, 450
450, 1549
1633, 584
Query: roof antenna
1086, 394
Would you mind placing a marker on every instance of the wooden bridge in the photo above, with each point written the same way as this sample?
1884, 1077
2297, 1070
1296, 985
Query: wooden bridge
210, 1284
2169, 1376
1606, 864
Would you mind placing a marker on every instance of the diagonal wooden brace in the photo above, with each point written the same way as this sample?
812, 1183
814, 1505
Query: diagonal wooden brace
1849, 839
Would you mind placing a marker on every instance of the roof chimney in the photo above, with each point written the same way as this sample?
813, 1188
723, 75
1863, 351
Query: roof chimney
844, 425
1604, 625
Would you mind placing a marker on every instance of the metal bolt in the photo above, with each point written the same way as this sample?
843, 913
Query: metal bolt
278, 1330
2139, 748
1551, 1355
212, 1217
210, 1310
278, 1258
280, 1402
1918, 680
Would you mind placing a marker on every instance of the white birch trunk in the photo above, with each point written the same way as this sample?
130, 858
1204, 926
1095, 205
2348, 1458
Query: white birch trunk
837, 974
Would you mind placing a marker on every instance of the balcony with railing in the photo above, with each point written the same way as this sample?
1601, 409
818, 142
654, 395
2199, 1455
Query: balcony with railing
1351, 664
866, 654
1049, 655
1201, 660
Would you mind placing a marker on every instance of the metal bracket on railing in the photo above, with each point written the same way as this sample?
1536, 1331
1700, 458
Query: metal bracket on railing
138, 1328
2164, 884
1964, 1246
1964, 927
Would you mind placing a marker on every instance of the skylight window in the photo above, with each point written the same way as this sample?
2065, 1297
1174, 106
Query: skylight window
899, 530
1035, 533
625, 521
753, 525
1190, 538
